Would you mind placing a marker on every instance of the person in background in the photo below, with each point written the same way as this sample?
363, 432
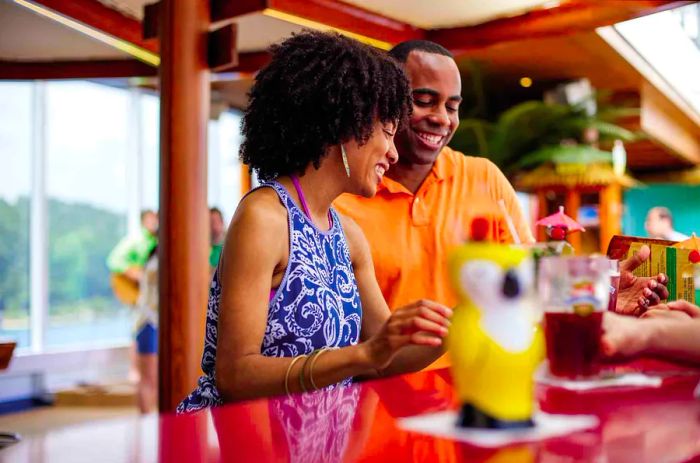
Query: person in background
126, 262
146, 329
294, 304
217, 235
129, 256
659, 225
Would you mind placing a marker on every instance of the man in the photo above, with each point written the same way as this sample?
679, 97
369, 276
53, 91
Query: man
129, 256
126, 262
659, 225
425, 203
217, 231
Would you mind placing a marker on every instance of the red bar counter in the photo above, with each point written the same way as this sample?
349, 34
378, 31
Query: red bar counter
637, 425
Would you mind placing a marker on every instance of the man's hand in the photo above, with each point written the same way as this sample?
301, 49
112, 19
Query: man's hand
637, 294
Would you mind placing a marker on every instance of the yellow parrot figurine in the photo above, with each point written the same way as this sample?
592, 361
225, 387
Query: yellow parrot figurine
494, 342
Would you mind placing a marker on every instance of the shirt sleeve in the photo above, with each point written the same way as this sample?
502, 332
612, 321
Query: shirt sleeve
121, 257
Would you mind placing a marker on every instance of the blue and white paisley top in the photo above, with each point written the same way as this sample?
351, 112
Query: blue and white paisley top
316, 305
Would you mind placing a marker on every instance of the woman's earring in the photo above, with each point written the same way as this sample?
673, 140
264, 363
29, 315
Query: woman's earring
345, 159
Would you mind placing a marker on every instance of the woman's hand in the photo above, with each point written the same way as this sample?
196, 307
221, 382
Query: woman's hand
422, 323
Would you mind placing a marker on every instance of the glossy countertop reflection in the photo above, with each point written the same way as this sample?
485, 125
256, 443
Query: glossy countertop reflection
359, 424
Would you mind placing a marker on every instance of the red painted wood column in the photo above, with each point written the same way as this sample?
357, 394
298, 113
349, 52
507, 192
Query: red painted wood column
184, 237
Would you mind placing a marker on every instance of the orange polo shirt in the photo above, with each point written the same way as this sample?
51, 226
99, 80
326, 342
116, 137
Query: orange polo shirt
411, 234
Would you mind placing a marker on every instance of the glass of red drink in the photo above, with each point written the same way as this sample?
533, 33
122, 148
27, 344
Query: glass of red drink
575, 292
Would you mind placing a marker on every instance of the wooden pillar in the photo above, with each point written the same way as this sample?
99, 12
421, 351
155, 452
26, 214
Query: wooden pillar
183, 264
610, 214
541, 213
571, 204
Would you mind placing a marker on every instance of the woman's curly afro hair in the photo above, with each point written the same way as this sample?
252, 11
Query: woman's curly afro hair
319, 90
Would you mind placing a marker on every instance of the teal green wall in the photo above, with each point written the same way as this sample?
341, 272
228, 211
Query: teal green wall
682, 200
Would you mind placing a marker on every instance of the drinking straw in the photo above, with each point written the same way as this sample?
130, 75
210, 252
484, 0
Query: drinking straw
509, 222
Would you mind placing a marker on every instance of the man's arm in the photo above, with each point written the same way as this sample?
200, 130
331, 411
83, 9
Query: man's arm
677, 339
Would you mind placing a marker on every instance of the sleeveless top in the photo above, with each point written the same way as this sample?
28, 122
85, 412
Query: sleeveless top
317, 303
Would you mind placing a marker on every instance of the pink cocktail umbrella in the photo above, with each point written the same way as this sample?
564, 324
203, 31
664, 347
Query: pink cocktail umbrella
560, 221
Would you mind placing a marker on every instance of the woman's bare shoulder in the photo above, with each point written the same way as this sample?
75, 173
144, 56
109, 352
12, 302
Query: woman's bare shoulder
261, 210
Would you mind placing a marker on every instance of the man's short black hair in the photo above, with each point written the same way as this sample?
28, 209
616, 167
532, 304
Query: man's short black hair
216, 210
401, 51
320, 90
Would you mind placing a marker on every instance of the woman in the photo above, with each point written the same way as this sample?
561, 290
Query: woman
294, 304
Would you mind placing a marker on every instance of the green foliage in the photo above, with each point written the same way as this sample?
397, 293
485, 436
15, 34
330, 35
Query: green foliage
80, 238
14, 255
564, 154
533, 132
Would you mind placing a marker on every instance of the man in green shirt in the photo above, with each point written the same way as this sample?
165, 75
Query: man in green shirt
129, 256
218, 234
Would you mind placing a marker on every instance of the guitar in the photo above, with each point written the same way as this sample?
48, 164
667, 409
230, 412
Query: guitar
125, 289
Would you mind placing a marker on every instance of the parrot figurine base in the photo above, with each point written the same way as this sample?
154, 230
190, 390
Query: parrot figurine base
471, 417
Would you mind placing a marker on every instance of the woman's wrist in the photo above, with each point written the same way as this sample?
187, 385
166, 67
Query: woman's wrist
364, 357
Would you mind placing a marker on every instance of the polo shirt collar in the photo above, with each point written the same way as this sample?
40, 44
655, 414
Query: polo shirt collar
443, 168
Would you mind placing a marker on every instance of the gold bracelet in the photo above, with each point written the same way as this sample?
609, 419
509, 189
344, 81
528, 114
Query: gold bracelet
303, 367
313, 362
289, 369
311, 356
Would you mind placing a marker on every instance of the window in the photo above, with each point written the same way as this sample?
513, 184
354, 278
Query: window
224, 189
672, 49
86, 159
96, 147
15, 203
150, 177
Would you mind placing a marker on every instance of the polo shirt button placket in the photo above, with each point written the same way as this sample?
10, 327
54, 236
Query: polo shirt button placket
418, 212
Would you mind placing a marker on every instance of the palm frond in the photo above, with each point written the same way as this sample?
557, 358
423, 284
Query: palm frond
563, 154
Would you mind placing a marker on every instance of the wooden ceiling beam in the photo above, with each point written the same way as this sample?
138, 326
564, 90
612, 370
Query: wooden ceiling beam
347, 17
88, 69
332, 13
222, 47
667, 125
98, 16
226, 10
248, 62
566, 19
